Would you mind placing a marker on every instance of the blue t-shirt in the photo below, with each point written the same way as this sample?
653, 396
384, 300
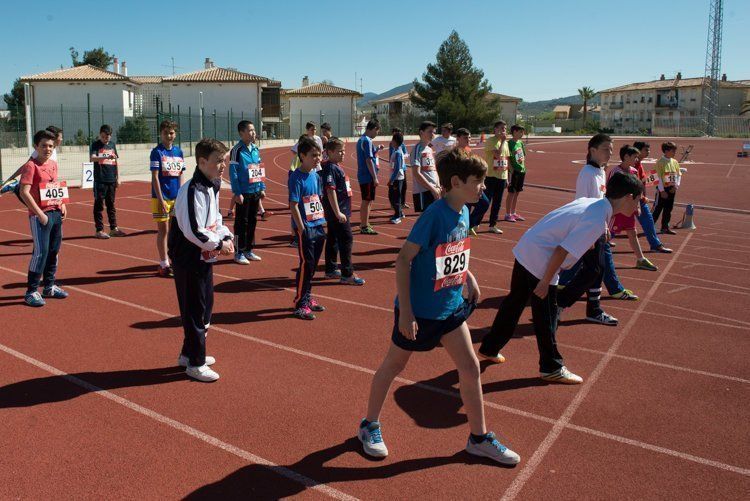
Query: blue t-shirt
391, 149
398, 164
306, 190
170, 164
366, 149
438, 224
335, 177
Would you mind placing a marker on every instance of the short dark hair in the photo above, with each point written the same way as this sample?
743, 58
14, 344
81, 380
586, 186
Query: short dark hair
667, 146
310, 125
55, 130
243, 125
209, 145
42, 135
167, 125
305, 146
463, 131
621, 185
628, 150
105, 129
640, 145
395, 129
325, 126
398, 138
333, 143
499, 123
426, 125
447, 125
373, 124
598, 140
516, 127
456, 162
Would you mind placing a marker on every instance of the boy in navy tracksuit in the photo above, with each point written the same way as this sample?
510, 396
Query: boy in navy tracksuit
308, 223
398, 177
197, 236
247, 177
337, 205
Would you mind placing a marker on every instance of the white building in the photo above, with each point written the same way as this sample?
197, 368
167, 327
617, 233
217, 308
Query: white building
321, 103
81, 98
644, 105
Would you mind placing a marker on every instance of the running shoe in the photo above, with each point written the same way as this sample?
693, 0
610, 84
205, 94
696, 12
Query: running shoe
184, 361
496, 230
645, 264
165, 271
495, 359
662, 250
34, 299
251, 256
305, 313
372, 439
333, 274
101, 235
667, 231
54, 292
602, 318
9, 187
562, 375
491, 448
368, 230
353, 280
315, 306
518, 217
625, 295
395, 220
510, 218
202, 373
239, 258
117, 232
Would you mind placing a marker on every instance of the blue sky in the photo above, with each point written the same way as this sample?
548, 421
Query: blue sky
534, 49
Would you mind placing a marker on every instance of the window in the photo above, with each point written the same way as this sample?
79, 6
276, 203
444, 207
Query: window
650, 99
643, 99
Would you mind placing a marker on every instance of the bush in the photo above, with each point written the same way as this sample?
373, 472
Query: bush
80, 139
134, 131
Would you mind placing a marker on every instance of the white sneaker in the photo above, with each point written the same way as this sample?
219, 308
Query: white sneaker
251, 256
240, 258
562, 375
496, 230
184, 361
372, 440
491, 448
202, 373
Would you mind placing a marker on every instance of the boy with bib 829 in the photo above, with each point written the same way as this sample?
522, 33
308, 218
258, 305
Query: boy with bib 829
431, 271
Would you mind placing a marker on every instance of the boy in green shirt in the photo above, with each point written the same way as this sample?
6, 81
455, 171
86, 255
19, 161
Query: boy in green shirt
517, 152
668, 170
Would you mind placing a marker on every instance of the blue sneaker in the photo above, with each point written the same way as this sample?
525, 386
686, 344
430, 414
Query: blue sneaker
333, 274
353, 280
54, 292
34, 299
252, 256
9, 187
491, 448
372, 439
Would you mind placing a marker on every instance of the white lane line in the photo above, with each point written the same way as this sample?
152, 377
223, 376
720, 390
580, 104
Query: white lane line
544, 447
184, 428
435, 389
679, 289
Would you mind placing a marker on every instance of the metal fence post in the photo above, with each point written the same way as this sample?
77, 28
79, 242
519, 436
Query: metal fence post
102, 116
62, 118
214, 123
179, 134
18, 126
190, 128
88, 116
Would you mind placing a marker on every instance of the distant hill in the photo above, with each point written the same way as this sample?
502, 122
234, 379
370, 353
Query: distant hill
527, 108
370, 96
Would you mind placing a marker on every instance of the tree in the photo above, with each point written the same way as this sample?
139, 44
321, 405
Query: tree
327, 82
134, 131
15, 100
455, 89
586, 93
745, 107
95, 57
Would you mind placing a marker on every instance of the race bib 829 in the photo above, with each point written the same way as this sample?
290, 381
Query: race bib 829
452, 263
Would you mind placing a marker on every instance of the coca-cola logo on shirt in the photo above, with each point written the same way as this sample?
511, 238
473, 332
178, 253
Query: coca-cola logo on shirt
454, 247
453, 280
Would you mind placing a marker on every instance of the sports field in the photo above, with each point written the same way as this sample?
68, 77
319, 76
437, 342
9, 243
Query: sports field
94, 406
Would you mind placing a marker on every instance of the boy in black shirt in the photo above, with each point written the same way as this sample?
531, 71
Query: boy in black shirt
337, 207
103, 153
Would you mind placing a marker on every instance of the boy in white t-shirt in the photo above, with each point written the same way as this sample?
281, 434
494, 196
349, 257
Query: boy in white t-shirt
445, 141
556, 242
426, 187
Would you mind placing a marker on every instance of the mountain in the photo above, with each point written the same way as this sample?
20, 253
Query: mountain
370, 96
528, 108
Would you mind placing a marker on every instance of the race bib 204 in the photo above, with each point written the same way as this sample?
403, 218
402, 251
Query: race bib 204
53, 194
313, 207
452, 263
257, 173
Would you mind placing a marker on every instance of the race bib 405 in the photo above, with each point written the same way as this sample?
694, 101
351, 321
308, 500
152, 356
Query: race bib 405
53, 194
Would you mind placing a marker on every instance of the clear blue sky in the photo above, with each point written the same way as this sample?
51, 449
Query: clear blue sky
537, 49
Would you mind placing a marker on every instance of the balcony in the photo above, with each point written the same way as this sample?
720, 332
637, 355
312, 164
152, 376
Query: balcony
616, 106
271, 110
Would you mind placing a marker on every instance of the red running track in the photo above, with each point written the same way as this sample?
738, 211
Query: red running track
96, 407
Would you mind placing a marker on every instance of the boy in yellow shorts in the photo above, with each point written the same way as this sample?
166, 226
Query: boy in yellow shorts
167, 166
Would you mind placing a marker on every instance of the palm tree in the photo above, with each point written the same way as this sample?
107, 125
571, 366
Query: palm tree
586, 93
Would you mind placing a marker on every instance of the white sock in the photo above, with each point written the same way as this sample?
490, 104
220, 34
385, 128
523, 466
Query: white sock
164, 263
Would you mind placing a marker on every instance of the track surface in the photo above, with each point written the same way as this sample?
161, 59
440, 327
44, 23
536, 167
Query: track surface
94, 406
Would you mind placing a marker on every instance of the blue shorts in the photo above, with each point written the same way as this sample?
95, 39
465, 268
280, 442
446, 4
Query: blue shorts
429, 332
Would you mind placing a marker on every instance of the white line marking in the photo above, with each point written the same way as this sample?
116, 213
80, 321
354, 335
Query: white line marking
679, 289
179, 426
530, 467
731, 168
435, 389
